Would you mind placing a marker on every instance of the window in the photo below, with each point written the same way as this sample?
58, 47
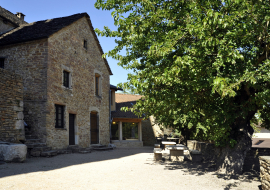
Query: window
115, 131
97, 84
66, 79
85, 44
2, 63
59, 116
130, 131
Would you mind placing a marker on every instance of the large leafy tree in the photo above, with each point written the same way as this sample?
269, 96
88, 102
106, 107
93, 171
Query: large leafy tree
201, 65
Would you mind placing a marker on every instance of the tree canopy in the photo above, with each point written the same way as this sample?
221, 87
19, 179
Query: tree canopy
201, 65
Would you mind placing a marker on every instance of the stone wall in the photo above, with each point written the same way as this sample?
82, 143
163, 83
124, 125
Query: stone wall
66, 52
151, 130
128, 143
252, 158
30, 60
11, 107
265, 172
210, 152
148, 136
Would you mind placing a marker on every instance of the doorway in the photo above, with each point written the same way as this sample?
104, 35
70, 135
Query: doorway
71, 129
94, 127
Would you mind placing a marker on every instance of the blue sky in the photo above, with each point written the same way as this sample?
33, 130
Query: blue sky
36, 10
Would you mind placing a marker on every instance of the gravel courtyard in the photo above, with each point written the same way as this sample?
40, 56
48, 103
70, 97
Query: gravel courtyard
122, 168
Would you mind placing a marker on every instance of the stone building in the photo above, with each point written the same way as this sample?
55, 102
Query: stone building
66, 82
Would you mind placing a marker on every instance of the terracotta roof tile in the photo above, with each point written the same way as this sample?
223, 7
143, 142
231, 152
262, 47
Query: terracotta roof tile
126, 97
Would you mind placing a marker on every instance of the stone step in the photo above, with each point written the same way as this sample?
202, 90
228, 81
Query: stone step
43, 148
74, 148
85, 150
31, 136
64, 151
30, 141
49, 153
102, 148
33, 145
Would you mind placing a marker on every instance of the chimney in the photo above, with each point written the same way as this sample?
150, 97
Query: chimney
20, 15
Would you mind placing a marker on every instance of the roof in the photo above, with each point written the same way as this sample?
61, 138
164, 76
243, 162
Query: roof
11, 17
115, 87
126, 97
44, 29
122, 114
125, 100
38, 30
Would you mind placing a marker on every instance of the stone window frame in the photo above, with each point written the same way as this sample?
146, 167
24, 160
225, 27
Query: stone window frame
98, 92
69, 70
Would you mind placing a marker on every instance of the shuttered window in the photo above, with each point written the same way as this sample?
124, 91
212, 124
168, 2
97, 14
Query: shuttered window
59, 116
2, 63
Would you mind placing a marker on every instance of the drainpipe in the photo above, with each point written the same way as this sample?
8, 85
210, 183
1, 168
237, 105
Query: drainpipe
110, 121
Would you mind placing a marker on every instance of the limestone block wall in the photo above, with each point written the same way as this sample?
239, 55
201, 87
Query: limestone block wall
265, 172
148, 135
11, 107
67, 52
29, 60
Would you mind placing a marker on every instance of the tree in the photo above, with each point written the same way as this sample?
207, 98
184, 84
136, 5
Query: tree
202, 65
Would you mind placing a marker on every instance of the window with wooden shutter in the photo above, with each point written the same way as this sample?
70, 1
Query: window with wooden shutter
59, 116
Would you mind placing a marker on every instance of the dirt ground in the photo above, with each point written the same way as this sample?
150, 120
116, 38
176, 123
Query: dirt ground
122, 168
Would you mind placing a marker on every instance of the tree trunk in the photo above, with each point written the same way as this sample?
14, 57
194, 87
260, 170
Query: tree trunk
231, 160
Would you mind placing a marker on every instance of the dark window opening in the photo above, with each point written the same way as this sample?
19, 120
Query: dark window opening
66, 79
85, 44
2, 63
97, 84
59, 119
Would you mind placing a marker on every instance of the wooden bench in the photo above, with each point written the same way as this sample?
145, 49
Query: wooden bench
157, 154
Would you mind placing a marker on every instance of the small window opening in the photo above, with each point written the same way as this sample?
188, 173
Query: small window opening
2, 63
66, 79
97, 83
85, 44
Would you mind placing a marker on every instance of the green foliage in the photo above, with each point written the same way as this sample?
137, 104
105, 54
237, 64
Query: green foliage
201, 65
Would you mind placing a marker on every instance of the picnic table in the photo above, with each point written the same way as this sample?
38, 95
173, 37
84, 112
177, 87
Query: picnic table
173, 139
166, 143
177, 152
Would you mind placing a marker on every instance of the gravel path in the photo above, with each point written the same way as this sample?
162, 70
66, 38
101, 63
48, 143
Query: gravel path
122, 168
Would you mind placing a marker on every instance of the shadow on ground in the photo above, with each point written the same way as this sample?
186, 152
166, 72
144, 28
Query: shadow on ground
42, 164
203, 168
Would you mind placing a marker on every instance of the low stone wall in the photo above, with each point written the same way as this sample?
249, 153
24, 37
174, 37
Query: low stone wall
210, 152
11, 107
265, 172
128, 143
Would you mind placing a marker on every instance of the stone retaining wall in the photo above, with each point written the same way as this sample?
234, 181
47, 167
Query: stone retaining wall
265, 170
210, 152
11, 107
